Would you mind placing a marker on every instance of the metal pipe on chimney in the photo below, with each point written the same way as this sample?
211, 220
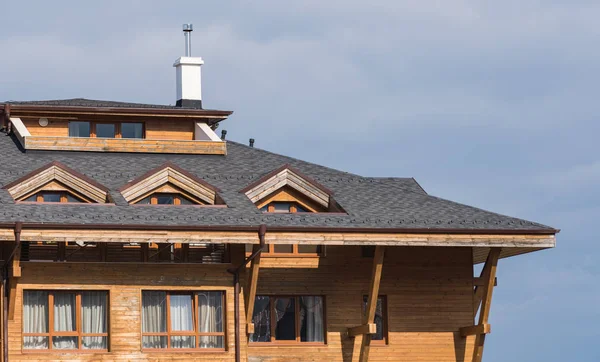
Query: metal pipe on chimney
187, 32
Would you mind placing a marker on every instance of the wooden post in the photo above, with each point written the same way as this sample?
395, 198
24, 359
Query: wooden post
15, 274
489, 275
250, 289
369, 316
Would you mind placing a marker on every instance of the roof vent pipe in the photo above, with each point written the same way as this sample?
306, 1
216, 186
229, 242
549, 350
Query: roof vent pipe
187, 32
223, 134
251, 142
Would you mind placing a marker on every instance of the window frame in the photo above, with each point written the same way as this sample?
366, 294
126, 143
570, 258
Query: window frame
78, 324
385, 317
118, 133
196, 334
269, 252
176, 199
297, 341
39, 197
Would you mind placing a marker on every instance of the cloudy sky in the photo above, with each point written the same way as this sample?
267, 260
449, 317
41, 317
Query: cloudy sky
490, 103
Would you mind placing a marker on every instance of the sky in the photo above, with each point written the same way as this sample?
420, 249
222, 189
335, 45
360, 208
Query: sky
489, 103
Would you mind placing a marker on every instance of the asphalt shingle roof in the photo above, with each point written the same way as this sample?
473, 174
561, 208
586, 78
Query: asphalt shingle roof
83, 102
381, 203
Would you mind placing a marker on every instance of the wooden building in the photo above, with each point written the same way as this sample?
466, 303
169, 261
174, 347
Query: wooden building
132, 232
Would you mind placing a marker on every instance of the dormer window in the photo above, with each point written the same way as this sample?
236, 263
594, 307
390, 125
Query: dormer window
49, 196
286, 190
56, 182
106, 129
170, 185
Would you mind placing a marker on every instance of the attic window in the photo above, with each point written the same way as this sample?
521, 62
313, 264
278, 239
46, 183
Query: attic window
56, 182
106, 129
170, 185
286, 190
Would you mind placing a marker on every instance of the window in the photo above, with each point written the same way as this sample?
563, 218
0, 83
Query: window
183, 320
283, 250
166, 199
283, 207
52, 196
291, 319
106, 129
65, 320
380, 319
79, 129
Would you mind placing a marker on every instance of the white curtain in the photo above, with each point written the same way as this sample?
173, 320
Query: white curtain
154, 318
311, 319
64, 320
181, 311
261, 319
210, 318
93, 315
35, 319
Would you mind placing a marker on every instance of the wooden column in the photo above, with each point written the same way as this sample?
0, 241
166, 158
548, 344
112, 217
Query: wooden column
483, 296
15, 274
369, 316
250, 289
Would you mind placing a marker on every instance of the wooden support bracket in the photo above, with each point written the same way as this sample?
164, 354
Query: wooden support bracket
369, 317
480, 282
475, 330
370, 328
250, 289
250, 328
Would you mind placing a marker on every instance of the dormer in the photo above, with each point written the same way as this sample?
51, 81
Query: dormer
287, 190
105, 126
170, 185
57, 183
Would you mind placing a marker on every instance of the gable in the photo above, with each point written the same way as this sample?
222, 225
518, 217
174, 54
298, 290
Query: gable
57, 177
170, 179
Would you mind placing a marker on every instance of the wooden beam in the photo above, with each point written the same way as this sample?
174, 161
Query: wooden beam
489, 273
15, 274
475, 330
369, 316
370, 328
479, 282
251, 286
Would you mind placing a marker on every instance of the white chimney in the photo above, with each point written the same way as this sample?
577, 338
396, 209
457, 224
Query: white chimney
188, 74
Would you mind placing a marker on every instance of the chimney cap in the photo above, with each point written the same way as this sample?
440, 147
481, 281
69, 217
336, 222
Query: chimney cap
188, 27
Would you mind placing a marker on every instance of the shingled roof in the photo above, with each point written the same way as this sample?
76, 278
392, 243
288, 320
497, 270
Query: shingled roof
370, 203
94, 103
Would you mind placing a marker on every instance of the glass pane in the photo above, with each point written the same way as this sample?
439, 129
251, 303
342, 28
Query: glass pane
79, 129
281, 206
94, 343
210, 312
64, 313
32, 198
165, 199
132, 130
51, 196
185, 201
64, 342
72, 199
211, 342
93, 312
261, 319
379, 318
35, 342
145, 201
35, 312
299, 208
154, 342
183, 342
181, 310
285, 315
264, 208
288, 249
312, 328
309, 249
154, 312
249, 248
105, 130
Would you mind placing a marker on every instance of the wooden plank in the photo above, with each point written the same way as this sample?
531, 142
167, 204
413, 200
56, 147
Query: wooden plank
480, 281
370, 328
369, 316
475, 330
490, 275
251, 286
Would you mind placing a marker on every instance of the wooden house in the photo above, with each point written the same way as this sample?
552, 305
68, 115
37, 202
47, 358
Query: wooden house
132, 232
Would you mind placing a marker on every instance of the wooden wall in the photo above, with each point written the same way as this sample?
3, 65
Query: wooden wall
429, 294
156, 129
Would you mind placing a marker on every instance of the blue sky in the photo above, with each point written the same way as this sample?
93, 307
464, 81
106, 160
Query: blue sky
489, 103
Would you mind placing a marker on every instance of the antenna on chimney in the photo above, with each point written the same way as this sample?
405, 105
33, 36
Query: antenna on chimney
187, 32
251, 142
223, 134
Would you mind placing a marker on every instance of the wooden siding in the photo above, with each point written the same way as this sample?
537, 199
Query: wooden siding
429, 293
